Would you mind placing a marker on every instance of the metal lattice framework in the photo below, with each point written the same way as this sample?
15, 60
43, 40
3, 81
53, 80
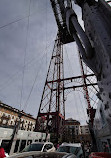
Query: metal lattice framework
94, 43
51, 114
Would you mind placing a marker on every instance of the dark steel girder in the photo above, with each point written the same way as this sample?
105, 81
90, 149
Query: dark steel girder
51, 113
71, 78
60, 16
78, 86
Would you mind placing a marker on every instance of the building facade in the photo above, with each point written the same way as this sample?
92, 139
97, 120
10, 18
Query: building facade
85, 134
75, 133
84, 130
9, 117
72, 130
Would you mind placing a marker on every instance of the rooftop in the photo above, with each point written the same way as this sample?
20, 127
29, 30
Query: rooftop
15, 110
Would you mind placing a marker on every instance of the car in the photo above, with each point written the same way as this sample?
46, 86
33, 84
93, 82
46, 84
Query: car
74, 148
100, 154
38, 154
40, 146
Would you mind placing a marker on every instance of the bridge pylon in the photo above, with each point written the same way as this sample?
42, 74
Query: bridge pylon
51, 114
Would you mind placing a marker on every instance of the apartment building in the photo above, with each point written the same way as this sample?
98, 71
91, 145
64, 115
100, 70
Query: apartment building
9, 116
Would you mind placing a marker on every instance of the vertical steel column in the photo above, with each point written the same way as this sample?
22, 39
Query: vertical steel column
63, 96
58, 85
51, 106
86, 90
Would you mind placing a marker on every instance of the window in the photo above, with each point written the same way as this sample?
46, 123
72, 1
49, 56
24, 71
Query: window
23, 143
5, 144
29, 142
48, 146
4, 122
36, 140
16, 146
77, 132
33, 147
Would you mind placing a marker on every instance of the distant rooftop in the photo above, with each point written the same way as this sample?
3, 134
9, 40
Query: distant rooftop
72, 120
15, 110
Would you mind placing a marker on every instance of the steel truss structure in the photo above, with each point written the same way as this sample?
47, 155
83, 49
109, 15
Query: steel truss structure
51, 114
94, 41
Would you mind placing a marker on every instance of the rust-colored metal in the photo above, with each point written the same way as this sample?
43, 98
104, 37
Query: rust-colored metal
85, 87
51, 114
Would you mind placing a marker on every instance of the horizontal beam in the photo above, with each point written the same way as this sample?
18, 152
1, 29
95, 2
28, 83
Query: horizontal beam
50, 113
74, 87
71, 78
78, 86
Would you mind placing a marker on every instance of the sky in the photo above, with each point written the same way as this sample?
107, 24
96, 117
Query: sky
27, 33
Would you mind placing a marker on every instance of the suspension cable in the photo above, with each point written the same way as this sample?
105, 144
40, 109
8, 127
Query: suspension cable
17, 20
25, 55
26, 103
11, 78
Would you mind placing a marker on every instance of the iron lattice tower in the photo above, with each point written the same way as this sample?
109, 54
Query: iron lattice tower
51, 114
90, 110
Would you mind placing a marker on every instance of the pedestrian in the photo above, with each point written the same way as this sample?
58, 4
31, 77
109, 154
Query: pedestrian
82, 145
2, 152
57, 145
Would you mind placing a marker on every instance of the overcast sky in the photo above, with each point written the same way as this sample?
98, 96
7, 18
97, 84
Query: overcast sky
27, 31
